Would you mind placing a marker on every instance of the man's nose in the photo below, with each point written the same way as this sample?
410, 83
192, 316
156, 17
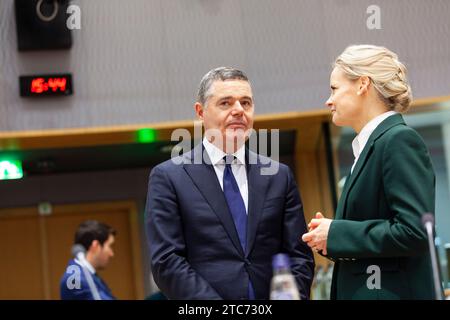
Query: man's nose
237, 108
329, 102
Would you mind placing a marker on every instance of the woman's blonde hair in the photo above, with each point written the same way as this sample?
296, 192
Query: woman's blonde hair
386, 72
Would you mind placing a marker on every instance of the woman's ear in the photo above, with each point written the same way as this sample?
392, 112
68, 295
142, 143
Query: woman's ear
364, 83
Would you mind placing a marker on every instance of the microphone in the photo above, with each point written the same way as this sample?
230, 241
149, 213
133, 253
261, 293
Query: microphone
428, 223
79, 252
428, 219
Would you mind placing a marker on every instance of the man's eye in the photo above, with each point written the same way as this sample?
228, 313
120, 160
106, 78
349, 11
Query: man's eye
225, 103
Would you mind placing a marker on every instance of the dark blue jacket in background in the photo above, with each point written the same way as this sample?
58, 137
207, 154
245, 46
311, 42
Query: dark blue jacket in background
70, 291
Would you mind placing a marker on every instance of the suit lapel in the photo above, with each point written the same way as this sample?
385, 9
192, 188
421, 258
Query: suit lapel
340, 209
352, 178
257, 188
368, 149
205, 179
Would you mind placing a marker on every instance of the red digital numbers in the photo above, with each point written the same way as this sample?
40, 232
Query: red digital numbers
40, 85
46, 85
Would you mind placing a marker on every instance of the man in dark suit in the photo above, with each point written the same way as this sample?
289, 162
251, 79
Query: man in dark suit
80, 281
214, 218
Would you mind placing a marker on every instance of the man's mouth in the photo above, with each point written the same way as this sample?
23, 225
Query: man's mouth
236, 125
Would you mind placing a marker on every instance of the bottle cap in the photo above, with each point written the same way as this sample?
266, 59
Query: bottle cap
281, 260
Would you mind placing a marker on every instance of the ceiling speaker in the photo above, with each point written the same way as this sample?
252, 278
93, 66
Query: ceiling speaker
41, 25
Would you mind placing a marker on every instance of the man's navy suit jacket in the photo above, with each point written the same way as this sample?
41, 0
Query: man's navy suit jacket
194, 246
74, 286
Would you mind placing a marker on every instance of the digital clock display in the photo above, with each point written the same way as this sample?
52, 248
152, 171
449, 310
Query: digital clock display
46, 85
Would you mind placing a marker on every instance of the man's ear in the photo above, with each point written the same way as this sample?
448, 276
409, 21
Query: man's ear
364, 83
95, 245
199, 110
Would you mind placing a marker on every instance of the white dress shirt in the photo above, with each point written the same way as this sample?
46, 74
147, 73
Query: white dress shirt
237, 166
361, 139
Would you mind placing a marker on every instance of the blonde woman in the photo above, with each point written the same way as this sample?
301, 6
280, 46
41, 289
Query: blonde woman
376, 239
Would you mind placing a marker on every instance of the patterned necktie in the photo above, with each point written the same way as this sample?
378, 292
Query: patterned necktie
237, 208
235, 202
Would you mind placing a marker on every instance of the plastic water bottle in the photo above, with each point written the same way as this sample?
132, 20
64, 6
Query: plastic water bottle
283, 286
327, 281
317, 286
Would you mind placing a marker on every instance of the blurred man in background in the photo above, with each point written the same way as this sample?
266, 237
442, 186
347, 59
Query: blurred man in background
94, 241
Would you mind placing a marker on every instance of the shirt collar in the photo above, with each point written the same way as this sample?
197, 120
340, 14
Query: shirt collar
361, 139
216, 155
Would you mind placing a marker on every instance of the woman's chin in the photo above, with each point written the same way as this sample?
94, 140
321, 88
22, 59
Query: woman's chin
336, 121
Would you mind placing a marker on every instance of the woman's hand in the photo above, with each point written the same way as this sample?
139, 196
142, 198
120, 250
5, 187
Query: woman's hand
317, 236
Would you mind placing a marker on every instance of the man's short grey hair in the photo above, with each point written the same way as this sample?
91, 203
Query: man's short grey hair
221, 73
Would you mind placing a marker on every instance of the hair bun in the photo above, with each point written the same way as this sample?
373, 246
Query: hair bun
388, 74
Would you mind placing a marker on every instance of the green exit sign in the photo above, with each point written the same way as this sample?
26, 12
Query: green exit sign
10, 169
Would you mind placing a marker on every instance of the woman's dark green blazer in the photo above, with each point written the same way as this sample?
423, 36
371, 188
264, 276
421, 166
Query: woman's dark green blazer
378, 219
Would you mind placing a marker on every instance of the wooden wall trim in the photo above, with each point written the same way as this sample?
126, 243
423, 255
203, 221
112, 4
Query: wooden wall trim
125, 134
82, 137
